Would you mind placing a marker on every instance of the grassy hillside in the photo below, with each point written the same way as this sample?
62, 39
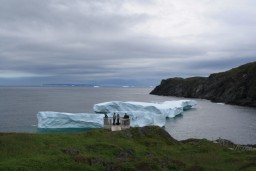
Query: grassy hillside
148, 148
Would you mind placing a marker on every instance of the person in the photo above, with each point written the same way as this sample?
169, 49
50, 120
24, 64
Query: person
126, 117
114, 119
106, 121
118, 117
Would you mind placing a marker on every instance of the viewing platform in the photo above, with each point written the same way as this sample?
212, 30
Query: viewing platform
124, 124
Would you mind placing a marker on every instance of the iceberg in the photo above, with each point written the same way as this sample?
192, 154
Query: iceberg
167, 109
48, 119
140, 114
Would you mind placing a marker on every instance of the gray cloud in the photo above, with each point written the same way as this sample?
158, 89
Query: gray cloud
61, 41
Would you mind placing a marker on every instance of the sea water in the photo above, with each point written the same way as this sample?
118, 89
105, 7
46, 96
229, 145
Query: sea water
19, 106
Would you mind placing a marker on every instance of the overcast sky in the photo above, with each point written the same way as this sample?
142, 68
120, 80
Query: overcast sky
84, 41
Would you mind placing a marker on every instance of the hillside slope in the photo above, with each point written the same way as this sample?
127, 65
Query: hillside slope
236, 86
147, 148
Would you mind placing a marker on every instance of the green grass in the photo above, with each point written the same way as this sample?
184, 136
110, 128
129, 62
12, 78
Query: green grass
148, 148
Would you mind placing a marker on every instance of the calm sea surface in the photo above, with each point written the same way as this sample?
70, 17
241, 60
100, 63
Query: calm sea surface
19, 106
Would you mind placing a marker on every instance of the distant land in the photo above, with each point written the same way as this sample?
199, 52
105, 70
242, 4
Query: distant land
107, 83
87, 85
67, 85
236, 86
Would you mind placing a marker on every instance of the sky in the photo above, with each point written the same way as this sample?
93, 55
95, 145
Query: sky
135, 42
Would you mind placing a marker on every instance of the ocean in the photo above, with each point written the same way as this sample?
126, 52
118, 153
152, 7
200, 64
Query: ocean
19, 106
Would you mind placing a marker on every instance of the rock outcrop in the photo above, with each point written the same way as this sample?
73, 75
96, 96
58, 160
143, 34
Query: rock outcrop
236, 86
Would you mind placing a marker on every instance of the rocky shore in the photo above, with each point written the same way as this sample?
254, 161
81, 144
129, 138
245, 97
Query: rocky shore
236, 86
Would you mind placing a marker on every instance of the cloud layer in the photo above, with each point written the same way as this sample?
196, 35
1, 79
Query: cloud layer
81, 41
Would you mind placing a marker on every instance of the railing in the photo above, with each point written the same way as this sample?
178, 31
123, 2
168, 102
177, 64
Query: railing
108, 121
123, 122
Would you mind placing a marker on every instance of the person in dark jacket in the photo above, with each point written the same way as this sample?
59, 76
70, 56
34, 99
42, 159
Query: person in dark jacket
114, 119
126, 122
126, 116
117, 118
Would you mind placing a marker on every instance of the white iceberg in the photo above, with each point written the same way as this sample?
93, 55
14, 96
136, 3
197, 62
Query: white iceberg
48, 119
167, 109
84, 120
140, 114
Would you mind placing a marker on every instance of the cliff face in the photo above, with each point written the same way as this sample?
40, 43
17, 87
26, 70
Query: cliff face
236, 86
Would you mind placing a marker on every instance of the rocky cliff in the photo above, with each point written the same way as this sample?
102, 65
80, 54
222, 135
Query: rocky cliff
236, 86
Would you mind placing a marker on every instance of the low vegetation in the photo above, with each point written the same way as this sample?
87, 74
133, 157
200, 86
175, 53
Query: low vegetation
147, 148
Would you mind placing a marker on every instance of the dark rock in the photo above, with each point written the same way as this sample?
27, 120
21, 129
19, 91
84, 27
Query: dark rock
126, 153
127, 156
195, 168
92, 161
249, 165
70, 151
143, 166
236, 86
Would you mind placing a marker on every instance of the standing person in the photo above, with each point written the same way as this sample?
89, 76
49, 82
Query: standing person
106, 122
126, 117
114, 119
118, 117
